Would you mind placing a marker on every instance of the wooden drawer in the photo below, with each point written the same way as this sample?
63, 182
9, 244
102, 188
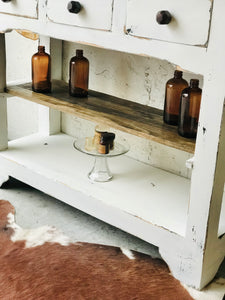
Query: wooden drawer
189, 24
25, 8
96, 14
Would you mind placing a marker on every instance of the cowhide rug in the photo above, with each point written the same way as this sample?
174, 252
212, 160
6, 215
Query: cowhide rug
43, 264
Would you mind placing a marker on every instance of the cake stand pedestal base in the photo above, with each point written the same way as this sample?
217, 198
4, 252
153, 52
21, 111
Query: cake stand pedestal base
100, 171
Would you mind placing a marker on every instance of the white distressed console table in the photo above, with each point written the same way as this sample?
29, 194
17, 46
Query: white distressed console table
180, 216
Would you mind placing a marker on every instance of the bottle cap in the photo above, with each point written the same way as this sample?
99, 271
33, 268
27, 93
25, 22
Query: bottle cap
79, 52
194, 83
178, 74
41, 48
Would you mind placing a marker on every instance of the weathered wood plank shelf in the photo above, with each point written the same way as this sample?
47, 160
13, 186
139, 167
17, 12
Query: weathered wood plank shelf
140, 120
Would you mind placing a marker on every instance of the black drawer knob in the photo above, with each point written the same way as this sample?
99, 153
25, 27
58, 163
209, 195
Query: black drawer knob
74, 7
6, 0
163, 17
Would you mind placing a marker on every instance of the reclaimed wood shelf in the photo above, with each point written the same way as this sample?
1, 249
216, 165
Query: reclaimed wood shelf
137, 119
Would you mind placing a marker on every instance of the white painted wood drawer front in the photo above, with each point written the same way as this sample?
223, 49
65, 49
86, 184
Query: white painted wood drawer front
96, 14
25, 8
189, 24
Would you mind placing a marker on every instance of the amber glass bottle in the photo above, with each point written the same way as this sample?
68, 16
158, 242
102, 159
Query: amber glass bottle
41, 71
189, 110
174, 87
79, 75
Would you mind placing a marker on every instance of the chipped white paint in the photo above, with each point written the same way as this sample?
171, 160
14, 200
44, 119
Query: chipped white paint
27, 8
128, 253
185, 231
189, 25
190, 163
94, 14
195, 56
38, 236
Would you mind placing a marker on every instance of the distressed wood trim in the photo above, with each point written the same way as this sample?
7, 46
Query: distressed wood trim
28, 34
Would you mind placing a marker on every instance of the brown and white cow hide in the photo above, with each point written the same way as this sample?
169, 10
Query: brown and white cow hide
43, 264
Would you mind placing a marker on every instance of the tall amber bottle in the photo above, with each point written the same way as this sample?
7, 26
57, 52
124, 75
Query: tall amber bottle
79, 75
174, 87
189, 110
41, 71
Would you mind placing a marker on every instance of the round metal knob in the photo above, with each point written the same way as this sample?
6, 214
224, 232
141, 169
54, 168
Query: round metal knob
163, 17
74, 7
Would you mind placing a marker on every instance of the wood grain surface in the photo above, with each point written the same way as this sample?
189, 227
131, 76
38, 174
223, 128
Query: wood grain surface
137, 119
28, 34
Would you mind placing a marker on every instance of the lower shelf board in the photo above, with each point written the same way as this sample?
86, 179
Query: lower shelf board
147, 202
151, 195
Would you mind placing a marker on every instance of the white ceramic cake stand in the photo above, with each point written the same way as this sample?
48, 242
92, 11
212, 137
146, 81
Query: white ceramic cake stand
100, 171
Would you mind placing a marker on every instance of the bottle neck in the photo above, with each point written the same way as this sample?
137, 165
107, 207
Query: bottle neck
194, 83
41, 49
79, 53
178, 74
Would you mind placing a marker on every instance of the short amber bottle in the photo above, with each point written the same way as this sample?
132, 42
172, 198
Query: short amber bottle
174, 87
41, 71
79, 75
189, 110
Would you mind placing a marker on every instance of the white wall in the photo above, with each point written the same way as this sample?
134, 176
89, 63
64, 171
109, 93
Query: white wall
135, 78
22, 114
132, 77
